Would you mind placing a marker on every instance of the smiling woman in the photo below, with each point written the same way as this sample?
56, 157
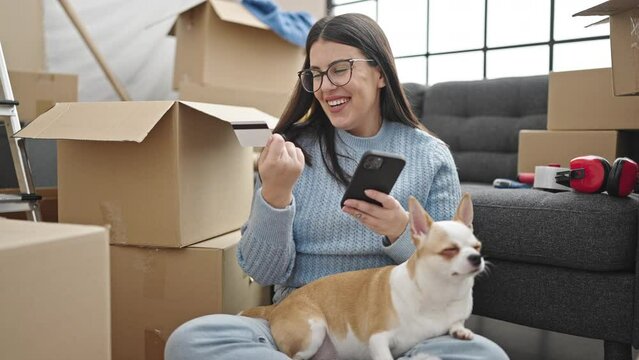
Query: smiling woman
348, 100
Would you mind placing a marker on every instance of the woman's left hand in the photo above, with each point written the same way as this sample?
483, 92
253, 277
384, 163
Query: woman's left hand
389, 220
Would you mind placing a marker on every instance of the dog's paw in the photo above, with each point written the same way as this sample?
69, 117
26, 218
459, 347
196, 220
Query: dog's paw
462, 333
424, 357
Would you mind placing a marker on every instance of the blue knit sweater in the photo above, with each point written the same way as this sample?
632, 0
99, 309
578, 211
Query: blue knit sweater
312, 237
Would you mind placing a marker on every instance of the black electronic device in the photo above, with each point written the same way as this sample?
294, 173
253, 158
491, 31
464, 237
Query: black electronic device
377, 171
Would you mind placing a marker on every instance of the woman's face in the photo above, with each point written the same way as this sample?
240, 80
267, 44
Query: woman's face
354, 107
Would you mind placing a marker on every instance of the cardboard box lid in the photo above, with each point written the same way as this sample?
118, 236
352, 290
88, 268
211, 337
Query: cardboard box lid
610, 7
230, 11
133, 120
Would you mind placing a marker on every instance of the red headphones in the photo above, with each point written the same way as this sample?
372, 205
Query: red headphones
593, 174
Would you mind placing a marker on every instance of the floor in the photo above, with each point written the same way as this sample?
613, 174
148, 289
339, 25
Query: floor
524, 343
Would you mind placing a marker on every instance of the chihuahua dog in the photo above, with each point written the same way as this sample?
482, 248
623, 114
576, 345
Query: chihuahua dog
383, 312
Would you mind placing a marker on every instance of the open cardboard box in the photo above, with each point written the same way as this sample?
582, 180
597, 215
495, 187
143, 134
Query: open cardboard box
221, 45
54, 302
624, 42
158, 173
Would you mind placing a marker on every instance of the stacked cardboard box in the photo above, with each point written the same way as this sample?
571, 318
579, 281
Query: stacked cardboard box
54, 302
226, 55
586, 113
584, 118
154, 290
22, 38
172, 182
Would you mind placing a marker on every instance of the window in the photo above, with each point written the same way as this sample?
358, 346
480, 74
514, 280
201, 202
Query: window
443, 40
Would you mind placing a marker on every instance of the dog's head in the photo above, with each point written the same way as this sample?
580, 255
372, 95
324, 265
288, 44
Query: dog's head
447, 248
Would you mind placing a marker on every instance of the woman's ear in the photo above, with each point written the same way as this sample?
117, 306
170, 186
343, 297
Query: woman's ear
381, 82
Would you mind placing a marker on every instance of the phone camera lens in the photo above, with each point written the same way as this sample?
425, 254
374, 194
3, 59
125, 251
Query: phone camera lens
373, 163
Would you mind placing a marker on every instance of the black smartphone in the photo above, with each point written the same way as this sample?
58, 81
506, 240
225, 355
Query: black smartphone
376, 170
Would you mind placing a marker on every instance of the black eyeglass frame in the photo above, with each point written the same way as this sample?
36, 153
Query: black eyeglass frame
325, 72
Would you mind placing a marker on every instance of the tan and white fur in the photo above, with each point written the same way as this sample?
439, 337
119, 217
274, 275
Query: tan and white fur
381, 313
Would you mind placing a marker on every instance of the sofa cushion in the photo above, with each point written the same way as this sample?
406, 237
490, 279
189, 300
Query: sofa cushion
593, 232
480, 120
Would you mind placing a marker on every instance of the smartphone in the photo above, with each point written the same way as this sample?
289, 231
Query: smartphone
376, 170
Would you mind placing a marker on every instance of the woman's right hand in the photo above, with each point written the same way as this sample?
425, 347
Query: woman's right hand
280, 165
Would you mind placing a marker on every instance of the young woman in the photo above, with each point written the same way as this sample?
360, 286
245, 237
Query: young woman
348, 100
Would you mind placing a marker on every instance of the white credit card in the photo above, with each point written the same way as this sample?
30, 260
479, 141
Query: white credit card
255, 135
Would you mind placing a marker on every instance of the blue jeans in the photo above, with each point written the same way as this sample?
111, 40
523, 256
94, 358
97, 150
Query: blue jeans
230, 337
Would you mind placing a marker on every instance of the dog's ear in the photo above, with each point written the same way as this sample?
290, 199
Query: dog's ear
465, 211
420, 221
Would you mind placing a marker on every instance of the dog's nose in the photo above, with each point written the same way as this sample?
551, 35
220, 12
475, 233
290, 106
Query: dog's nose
474, 259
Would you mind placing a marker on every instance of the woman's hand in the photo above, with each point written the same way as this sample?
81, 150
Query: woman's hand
280, 165
389, 220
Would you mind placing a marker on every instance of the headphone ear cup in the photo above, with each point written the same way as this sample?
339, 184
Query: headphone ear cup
589, 174
623, 177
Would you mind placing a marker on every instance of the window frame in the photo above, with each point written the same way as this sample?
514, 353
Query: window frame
485, 48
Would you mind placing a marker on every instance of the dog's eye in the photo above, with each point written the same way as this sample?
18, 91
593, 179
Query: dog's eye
450, 252
477, 247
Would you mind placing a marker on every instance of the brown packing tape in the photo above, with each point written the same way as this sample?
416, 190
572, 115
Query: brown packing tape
153, 344
634, 44
112, 216
154, 270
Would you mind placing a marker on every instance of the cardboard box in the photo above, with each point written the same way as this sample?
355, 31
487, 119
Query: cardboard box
54, 302
156, 290
221, 44
37, 92
271, 103
159, 173
22, 34
583, 100
623, 17
48, 204
540, 147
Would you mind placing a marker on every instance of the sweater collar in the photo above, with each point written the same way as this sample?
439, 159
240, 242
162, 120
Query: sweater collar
358, 142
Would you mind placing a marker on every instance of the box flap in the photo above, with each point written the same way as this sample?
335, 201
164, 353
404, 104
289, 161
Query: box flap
610, 7
603, 21
252, 127
236, 13
99, 121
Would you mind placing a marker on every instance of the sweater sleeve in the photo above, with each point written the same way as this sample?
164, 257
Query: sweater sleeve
445, 191
402, 248
440, 202
266, 250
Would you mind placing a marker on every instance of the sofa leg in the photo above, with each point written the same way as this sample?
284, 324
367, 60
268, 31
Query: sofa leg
617, 351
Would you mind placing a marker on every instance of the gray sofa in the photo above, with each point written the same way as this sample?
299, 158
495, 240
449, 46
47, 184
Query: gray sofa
564, 262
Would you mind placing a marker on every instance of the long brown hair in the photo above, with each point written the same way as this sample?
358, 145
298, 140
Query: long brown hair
304, 115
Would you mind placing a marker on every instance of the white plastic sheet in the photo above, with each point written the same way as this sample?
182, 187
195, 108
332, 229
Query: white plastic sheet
130, 34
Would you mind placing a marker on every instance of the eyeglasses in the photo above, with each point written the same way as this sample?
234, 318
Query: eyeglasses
339, 73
